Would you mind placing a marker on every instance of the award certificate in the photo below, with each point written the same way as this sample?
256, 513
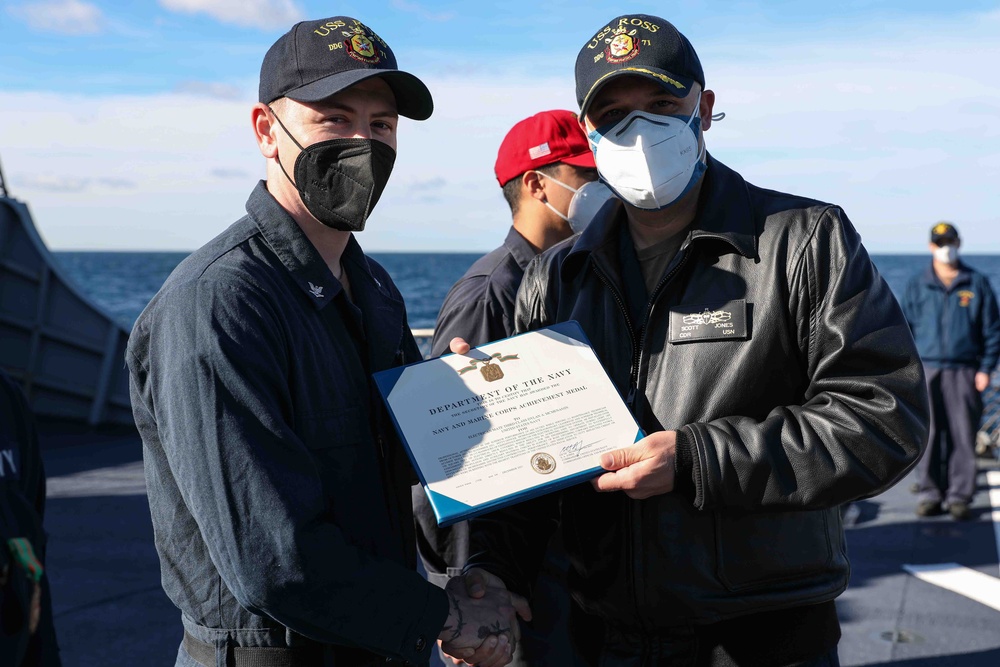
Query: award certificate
510, 420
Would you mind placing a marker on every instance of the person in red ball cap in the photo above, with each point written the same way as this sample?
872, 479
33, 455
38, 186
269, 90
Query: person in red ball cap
546, 169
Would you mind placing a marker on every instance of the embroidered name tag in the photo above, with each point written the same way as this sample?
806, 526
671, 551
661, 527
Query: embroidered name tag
714, 322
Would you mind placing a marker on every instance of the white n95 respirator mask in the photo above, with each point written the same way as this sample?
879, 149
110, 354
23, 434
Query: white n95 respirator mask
946, 254
586, 202
648, 160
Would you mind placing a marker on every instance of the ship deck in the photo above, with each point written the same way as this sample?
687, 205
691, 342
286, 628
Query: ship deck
924, 592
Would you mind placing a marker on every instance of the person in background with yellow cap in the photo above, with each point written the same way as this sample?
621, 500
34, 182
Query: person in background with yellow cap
953, 314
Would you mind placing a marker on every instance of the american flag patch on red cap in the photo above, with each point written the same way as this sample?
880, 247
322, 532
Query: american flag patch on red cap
542, 150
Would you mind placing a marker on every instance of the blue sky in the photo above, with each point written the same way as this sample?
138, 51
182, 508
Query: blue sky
125, 125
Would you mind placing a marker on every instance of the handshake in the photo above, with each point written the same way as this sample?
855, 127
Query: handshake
482, 626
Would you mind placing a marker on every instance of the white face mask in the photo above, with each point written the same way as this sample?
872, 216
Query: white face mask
586, 202
946, 254
648, 160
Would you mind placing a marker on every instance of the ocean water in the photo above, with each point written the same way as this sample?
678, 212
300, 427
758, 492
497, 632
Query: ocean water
122, 283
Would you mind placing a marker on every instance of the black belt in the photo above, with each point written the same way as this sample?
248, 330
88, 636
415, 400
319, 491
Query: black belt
253, 656
281, 656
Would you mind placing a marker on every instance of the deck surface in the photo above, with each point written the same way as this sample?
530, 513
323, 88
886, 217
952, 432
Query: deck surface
110, 609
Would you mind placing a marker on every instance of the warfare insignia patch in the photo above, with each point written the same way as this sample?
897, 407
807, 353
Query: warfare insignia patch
965, 297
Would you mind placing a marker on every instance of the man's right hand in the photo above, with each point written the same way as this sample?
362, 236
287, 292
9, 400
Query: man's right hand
477, 581
982, 379
482, 626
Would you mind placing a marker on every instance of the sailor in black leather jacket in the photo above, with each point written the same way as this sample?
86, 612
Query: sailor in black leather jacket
778, 380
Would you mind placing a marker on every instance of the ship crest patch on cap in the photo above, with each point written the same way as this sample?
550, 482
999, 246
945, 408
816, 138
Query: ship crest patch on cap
941, 228
360, 45
622, 45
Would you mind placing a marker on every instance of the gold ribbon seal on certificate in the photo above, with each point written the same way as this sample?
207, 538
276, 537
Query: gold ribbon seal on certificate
491, 372
543, 463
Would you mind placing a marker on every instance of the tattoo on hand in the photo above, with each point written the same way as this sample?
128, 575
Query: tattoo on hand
456, 632
487, 630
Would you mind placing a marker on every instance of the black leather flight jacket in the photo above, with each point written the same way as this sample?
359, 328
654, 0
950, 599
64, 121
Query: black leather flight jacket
776, 350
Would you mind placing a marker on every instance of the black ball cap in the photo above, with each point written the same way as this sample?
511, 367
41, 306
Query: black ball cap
943, 232
638, 45
316, 59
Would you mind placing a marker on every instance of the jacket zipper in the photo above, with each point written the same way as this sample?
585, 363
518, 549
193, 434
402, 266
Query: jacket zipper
381, 448
652, 301
637, 347
630, 402
634, 369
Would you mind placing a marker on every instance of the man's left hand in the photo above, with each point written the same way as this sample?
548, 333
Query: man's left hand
982, 381
641, 470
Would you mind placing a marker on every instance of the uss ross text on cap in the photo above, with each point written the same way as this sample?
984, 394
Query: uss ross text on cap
546, 137
317, 59
638, 45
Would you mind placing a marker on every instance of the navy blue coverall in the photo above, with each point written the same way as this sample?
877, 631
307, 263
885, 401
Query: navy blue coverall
957, 331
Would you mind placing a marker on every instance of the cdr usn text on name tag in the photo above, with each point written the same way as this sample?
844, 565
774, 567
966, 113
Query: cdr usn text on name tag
690, 323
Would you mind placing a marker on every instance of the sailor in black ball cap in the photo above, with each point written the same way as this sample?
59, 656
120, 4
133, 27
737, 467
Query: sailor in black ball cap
758, 348
953, 313
279, 493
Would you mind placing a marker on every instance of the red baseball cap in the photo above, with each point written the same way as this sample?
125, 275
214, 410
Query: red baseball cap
546, 137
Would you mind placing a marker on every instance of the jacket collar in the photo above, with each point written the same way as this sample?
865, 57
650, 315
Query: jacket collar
519, 248
724, 213
297, 253
964, 277
385, 315
384, 311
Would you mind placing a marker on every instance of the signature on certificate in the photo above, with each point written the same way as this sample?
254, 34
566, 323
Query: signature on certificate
577, 450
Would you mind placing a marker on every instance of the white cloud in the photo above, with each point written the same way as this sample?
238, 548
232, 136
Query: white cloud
263, 14
50, 183
65, 17
166, 145
900, 130
222, 91
897, 128
115, 183
226, 173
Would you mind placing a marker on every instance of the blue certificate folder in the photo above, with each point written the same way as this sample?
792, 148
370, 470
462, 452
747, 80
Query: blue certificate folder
449, 510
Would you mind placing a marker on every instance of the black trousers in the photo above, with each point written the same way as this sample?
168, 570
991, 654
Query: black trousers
947, 470
799, 637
